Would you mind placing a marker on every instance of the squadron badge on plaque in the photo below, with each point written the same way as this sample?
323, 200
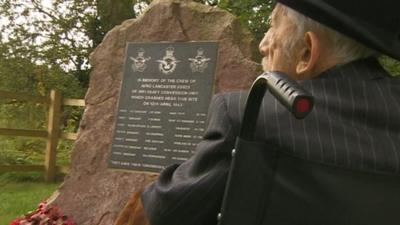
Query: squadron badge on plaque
139, 63
199, 63
168, 63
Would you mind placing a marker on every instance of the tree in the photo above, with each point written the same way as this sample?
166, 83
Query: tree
60, 35
45, 45
252, 13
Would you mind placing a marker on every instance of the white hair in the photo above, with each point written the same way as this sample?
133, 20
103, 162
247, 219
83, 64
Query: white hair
342, 48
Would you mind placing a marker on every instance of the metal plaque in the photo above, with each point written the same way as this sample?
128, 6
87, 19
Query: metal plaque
163, 103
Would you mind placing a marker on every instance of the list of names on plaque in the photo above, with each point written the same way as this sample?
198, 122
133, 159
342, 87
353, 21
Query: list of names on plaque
163, 104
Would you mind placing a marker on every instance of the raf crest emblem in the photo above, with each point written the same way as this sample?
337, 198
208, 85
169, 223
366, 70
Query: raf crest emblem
200, 62
168, 63
139, 63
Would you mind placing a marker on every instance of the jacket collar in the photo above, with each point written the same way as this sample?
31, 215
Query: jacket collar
364, 69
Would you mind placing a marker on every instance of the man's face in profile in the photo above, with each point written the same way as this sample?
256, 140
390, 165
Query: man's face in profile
275, 47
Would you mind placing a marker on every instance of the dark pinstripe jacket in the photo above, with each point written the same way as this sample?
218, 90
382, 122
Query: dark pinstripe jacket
355, 124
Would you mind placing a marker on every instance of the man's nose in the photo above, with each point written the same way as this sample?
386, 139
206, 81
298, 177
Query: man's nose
263, 47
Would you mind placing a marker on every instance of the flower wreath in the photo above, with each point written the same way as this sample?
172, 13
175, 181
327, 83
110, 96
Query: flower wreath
44, 215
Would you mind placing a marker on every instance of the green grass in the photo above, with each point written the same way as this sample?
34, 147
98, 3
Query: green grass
21, 193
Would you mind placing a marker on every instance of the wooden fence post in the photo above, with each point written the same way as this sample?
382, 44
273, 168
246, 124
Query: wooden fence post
53, 129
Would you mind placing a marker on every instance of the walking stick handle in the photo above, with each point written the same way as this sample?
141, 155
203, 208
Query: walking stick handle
295, 98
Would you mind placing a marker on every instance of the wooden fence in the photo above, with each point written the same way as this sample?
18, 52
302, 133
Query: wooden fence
52, 135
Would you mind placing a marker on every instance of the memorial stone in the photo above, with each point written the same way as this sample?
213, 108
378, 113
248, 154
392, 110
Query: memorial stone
92, 193
163, 103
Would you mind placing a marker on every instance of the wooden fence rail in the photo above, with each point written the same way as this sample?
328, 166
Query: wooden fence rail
52, 135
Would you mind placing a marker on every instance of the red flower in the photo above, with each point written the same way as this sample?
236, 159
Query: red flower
15, 222
44, 215
69, 222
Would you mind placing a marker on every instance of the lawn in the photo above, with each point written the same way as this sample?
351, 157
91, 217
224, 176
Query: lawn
21, 193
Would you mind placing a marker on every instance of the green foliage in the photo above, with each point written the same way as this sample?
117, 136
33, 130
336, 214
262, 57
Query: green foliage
38, 34
46, 46
112, 13
391, 65
23, 151
253, 13
59, 35
64, 150
29, 151
17, 177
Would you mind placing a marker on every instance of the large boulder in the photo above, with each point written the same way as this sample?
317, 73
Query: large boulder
93, 194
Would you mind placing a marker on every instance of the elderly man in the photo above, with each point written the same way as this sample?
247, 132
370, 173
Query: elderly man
330, 45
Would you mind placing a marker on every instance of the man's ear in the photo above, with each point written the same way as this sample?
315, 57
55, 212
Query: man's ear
309, 55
